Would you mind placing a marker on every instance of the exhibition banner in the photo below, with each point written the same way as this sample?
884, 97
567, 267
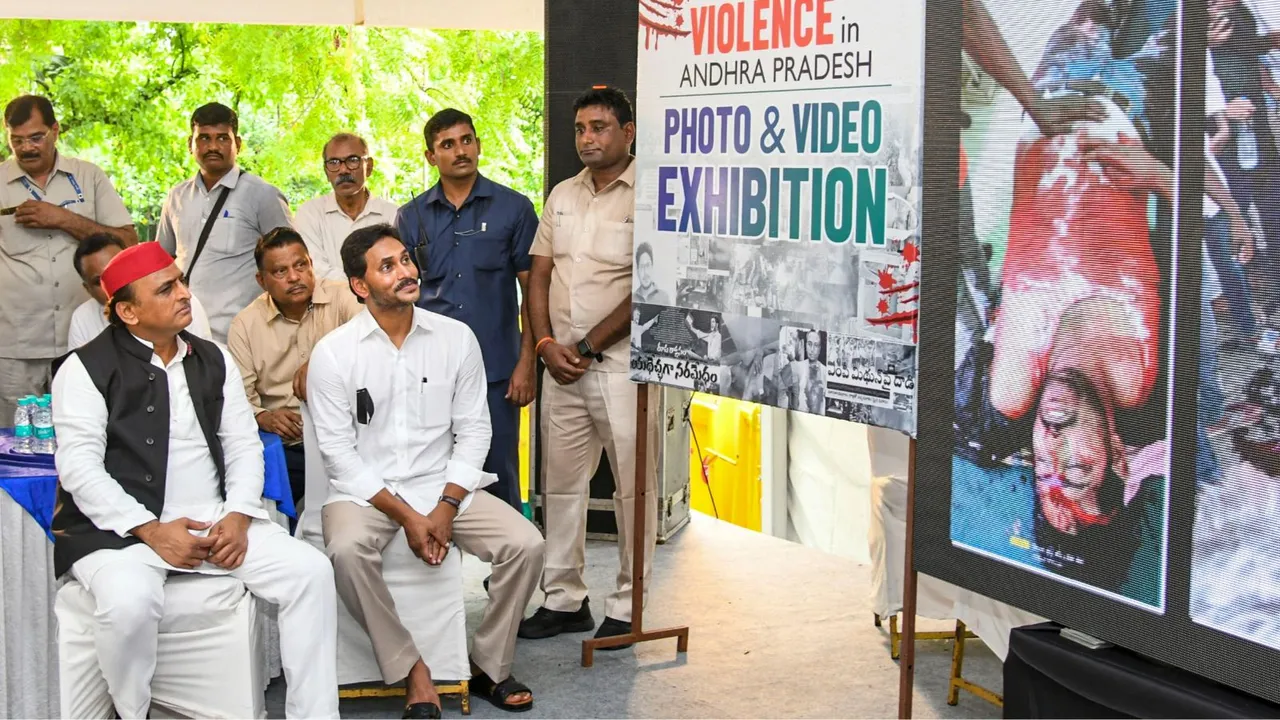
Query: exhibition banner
777, 223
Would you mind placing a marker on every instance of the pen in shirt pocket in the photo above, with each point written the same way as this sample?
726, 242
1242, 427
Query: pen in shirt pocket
422, 386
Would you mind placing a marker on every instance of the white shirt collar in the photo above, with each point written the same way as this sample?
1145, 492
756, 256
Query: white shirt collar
371, 205
228, 181
183, 349
367, 324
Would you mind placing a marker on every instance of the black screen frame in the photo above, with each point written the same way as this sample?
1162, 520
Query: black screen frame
1172, 637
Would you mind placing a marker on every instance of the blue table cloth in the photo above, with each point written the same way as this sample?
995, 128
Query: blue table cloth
275, 476
32, 481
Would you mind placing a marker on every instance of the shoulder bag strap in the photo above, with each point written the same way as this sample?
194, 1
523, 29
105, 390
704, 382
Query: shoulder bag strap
204, 232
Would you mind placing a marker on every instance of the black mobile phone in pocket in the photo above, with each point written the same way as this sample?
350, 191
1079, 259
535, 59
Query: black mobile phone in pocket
364, 406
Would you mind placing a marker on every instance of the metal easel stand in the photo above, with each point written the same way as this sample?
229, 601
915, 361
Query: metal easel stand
638, 634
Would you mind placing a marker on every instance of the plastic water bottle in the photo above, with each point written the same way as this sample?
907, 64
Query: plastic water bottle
22, 427
42, 424
1246, 146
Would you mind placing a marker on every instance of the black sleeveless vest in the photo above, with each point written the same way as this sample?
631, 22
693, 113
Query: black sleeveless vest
137, 450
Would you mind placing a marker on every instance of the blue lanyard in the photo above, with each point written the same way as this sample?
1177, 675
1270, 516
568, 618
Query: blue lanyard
74, 186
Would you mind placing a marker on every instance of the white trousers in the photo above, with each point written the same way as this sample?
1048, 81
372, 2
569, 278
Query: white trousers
128, 595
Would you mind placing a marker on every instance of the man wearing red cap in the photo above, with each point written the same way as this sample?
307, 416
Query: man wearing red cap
160, 470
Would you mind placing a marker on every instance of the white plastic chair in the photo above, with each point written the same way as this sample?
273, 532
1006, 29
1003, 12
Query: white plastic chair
212, 655
428, 599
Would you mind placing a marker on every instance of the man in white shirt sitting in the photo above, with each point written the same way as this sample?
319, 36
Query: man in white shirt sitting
160, 471
398, 400
90, 318
326, 221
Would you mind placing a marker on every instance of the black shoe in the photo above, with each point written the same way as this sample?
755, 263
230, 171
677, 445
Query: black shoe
612, 628
549, 623
425, 711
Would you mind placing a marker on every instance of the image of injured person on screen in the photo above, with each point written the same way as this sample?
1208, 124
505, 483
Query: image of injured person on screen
1062, 362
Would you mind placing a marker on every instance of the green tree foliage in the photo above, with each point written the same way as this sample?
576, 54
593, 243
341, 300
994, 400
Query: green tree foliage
124, 93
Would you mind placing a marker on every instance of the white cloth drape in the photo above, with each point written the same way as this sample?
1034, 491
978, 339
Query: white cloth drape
28, 653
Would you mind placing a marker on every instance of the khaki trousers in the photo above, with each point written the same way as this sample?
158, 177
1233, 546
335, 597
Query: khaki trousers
597, 412
19, 378
354, 537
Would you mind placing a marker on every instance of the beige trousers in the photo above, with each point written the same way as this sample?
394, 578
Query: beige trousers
354, 537
19, 378
579, 420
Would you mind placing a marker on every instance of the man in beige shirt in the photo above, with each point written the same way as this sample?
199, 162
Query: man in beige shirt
271, 340
48, 203
580, 309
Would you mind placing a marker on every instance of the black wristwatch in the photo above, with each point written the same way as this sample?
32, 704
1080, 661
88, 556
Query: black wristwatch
586, 351
455, 502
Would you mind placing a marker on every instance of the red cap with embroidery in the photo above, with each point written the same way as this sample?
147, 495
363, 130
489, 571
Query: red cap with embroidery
132, 264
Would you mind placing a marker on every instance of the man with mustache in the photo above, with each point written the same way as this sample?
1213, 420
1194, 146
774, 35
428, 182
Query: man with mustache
271, 340
160, 472
326, 221
212, 222
470, 237
580, 304
398, 397
49, 203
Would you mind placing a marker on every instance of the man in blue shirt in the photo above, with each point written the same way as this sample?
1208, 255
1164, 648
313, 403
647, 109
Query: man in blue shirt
470, 237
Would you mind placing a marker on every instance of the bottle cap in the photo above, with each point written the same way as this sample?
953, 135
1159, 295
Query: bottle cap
42, 401
25, 401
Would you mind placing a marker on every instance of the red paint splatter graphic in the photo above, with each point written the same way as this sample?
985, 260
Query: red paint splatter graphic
662, 17
893, 285
910, 253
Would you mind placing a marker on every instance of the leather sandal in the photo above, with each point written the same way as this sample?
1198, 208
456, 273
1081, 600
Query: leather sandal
497, 693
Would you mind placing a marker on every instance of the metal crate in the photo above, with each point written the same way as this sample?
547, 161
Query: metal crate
673, 475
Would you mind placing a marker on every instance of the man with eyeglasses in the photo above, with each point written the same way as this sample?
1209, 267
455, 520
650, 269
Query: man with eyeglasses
48, 204
212, 222
470, 237
326, 221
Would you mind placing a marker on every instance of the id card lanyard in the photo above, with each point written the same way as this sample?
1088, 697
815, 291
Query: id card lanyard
74, 186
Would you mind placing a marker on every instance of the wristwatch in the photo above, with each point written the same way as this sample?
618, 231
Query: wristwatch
455, 502
586, 351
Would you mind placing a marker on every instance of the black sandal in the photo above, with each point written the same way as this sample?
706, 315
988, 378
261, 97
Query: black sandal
426, 711
497, 693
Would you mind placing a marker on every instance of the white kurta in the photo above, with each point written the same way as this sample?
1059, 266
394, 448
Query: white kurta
128, 585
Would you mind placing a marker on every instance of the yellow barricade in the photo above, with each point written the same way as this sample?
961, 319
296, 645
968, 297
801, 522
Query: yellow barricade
725, 439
